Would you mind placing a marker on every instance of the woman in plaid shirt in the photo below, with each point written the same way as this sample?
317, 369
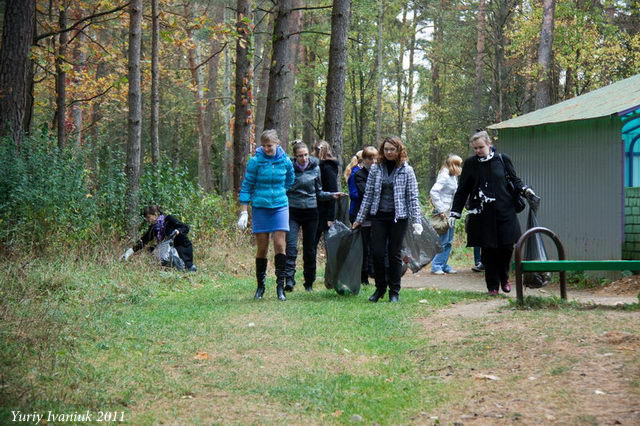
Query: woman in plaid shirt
390, 201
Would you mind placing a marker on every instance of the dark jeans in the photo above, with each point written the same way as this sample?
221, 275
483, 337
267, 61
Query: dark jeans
477, 255
496, 265
387, 234
367, 259
307, 220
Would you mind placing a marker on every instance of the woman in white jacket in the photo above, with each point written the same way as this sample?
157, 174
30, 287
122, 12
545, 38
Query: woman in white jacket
442, 197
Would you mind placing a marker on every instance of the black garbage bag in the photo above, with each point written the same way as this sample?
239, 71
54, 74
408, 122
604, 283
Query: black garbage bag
342, 210
535, 250
344, 259
419, 250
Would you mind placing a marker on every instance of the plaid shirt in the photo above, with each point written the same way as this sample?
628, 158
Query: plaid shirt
405, 194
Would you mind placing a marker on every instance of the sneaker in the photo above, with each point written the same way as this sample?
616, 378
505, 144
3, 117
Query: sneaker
438, 272
478, 268
451, 271
493, 292
506, 287
192, 268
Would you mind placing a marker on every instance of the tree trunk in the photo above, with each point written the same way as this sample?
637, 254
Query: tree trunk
379, 72
79, 65
334, 103
408, 116
61, 80
155, 86
263, 81
243, 119
543, 88
294, 49
17, 38
400, 80
281, 73
135, 116
529, 86
212, 83
228, 166
479, 103
204, 138
308, 101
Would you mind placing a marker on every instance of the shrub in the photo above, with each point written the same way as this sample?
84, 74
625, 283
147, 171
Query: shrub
48, 200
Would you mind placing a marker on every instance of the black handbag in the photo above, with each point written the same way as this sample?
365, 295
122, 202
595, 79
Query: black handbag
518, 202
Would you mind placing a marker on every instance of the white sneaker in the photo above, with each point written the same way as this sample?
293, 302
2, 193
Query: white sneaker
439, 272
451, 271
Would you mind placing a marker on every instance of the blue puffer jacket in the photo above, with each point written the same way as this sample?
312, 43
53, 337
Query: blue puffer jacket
266, 180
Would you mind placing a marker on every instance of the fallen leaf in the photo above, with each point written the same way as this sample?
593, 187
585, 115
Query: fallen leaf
389, 379
423, 301
201, 355
337, 413
487, 377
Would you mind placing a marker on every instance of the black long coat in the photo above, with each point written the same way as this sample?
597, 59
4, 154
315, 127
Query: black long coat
329, 176
490, 224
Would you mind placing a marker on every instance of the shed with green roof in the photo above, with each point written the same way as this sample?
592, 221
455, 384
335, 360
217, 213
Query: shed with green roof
582, 156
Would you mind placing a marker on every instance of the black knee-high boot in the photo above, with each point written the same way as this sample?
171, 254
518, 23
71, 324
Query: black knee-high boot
280, 261
261, 276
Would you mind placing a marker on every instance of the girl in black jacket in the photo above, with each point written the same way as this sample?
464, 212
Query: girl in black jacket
491, 222
161, 226
329, 175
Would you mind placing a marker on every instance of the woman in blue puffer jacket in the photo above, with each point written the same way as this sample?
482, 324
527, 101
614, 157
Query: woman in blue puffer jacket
268, 176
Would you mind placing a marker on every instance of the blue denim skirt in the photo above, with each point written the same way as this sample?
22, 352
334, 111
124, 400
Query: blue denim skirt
270, 220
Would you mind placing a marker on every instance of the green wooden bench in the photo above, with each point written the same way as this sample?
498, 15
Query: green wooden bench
562, 265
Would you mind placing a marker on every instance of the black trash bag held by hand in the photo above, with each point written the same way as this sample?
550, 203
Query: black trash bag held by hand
421, 249
535, 250
344, 259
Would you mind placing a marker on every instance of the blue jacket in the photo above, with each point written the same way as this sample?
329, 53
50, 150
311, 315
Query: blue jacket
267, 180
353, 191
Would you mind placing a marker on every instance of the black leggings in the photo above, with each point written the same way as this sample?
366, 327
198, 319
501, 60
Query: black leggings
386, 233
496, 265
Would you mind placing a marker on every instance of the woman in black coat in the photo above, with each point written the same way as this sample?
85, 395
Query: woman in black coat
161, 226
329, 175
492, 222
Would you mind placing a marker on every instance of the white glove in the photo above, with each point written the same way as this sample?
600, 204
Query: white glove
243, 220
529, 192
452, 222
417, 229
127, 254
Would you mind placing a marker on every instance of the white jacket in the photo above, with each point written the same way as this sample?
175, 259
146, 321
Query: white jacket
443, 190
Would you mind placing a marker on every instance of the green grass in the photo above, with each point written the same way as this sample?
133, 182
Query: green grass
88, 334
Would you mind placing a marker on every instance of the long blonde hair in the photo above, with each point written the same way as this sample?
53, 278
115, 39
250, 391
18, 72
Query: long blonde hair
355, 160
453, 164
323, 150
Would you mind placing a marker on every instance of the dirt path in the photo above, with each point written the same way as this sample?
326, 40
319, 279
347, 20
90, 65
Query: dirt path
467, 280
573, 367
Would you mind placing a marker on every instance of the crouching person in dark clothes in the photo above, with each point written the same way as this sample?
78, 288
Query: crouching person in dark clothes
160, 227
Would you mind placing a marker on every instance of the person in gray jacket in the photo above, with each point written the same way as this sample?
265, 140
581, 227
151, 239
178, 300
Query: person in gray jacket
303, 214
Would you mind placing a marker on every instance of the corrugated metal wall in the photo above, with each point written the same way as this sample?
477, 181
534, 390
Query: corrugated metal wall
577, 169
